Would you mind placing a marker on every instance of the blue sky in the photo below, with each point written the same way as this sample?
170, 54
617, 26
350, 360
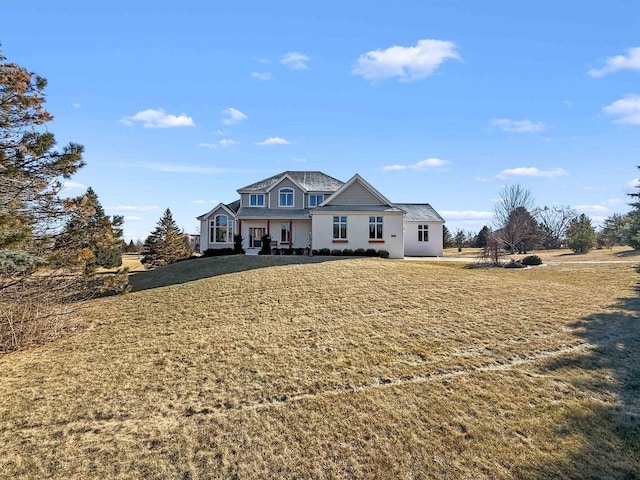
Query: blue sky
178, 104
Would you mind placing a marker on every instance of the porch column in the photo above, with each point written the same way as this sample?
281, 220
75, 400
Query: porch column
268, 227
290, 233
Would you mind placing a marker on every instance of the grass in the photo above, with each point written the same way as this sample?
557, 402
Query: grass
615, 254
290, 367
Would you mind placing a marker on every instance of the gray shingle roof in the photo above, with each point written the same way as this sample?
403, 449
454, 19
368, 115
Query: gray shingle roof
312, 181
234, 206
275, 213
417, 212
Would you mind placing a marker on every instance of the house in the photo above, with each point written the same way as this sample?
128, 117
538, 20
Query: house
302, 209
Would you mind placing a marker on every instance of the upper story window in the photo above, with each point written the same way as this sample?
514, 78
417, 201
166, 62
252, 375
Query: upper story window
221, 229
423, 233
256, 200
340, 227
286, 197
315, 200
375, 228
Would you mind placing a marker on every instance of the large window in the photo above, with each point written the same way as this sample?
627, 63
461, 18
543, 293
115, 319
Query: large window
423, 233
315, 200
256, 200
340, 227
286, 197
285, 232
221, 230
375, 228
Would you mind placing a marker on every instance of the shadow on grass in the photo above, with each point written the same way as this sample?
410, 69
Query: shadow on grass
205, 267
609, 432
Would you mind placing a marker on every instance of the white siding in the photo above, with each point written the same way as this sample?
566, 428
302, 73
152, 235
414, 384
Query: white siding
414, 248
205, 229
358, 232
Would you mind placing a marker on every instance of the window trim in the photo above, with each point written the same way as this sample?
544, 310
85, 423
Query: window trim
378, 233
341, 221
290, 191
286, 227
315, 196
257, 196
422, 229
227, 229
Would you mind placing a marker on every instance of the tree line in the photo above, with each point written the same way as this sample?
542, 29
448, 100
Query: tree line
519, 227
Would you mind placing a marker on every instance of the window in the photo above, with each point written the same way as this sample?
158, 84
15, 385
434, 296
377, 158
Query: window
315, 200
340, 227
285, 232
286, 197
256, 200
423, 233
221, 230
375, 228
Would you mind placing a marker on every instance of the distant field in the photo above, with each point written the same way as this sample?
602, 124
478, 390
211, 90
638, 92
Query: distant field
297, 367
561, 255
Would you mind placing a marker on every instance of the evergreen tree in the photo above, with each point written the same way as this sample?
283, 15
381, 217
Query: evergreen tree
166, 244
581, 237
447, 240
481, 238
615, 231
633, 233
131, 248
90, 238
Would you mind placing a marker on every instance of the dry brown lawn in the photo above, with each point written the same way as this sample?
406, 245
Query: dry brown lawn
615, 254
289, 367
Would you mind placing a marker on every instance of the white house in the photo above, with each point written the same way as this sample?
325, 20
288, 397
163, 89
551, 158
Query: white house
300, 209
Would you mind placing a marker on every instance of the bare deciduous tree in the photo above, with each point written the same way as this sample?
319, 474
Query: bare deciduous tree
554, 222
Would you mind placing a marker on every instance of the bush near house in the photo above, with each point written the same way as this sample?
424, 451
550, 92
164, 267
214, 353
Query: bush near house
218, 252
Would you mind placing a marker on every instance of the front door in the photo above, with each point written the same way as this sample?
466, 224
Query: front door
255, 237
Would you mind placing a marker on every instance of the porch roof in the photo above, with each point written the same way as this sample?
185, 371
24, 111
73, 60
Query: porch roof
269, 213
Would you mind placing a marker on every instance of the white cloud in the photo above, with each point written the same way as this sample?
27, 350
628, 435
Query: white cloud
132, 218
612, 202
198, 202
429, 162
224, 143
299, 159
631, 61
232, 116
592, 208
274, 141
295, 60
69, 185
132, 208
531, 172
151, 118
627, 110
219, 132
463, 215
632, 186
261, 76
76, 105
406, 63
518, 126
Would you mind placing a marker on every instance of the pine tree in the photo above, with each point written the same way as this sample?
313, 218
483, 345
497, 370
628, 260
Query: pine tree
447, 240
90, 238
166, 244
481, 238
131, 248
581, 237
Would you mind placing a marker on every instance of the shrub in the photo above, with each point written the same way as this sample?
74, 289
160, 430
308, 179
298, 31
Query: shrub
360, 252
370, 252
383, 254
266, 245
324, 251
514, 264
237, 244
347, 252
218, 252
336, 252
287, 251
299, 251
314, 252
531, 260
